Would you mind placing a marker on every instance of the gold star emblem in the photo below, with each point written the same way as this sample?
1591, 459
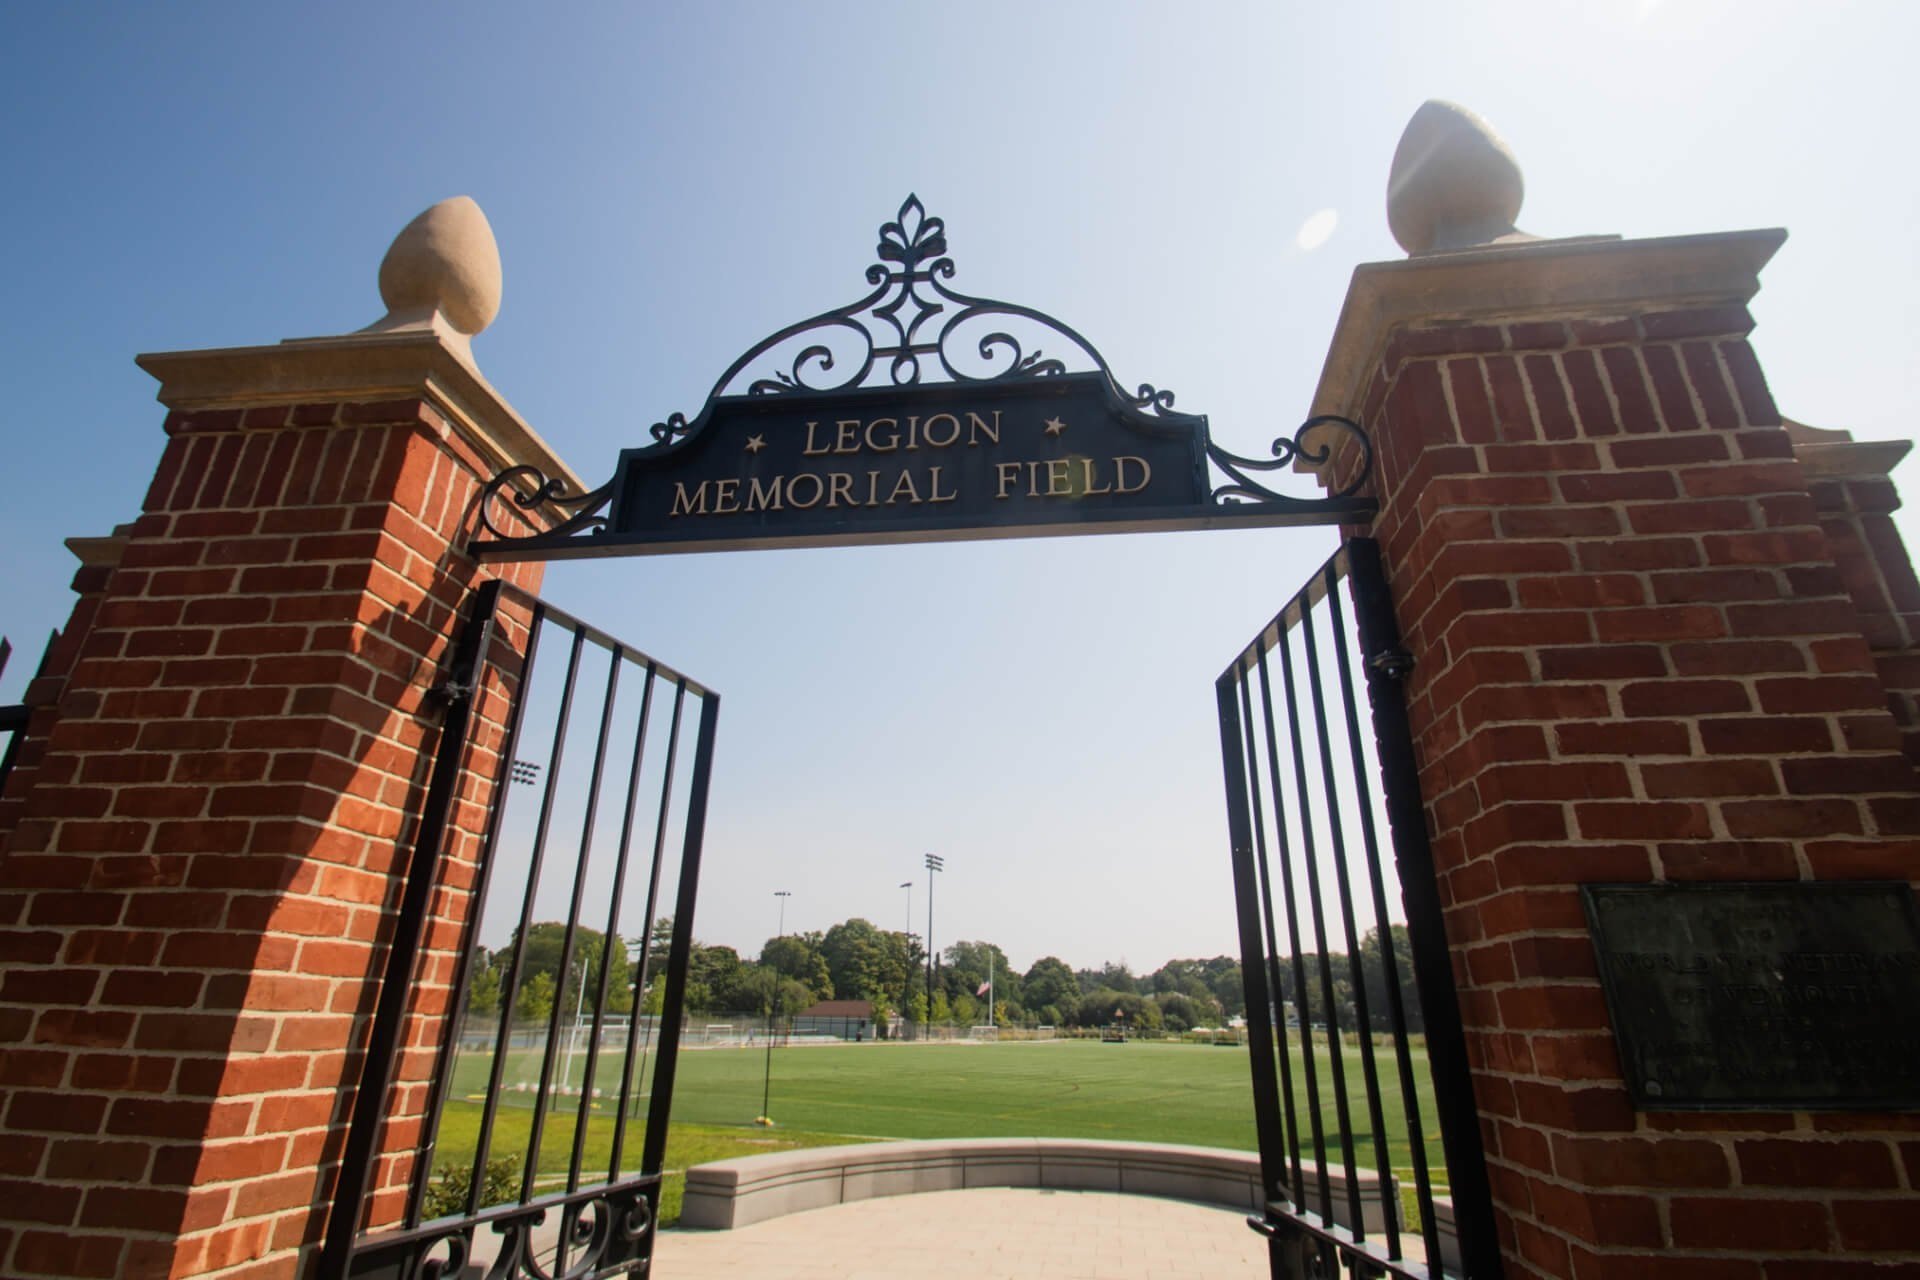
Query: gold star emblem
756, 443
1055, 426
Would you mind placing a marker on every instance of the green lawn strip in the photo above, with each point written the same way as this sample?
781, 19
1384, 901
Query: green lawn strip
687, 1145
1139, 1091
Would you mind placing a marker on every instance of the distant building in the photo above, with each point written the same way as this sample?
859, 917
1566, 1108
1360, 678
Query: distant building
842, 1019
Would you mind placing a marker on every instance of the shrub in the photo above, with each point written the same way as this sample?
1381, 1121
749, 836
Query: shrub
447, 1193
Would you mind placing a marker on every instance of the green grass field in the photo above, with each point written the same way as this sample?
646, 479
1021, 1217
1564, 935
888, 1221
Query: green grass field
1140, 1091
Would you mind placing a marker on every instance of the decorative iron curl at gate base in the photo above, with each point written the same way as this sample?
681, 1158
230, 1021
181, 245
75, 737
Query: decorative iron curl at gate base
607, 1230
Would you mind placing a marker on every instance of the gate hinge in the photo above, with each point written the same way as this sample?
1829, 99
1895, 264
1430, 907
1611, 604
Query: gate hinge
1394, 664
450, 691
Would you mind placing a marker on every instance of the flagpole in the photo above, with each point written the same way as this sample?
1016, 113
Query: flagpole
989, 985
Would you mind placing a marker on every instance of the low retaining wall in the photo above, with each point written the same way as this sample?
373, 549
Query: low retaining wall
738, 1193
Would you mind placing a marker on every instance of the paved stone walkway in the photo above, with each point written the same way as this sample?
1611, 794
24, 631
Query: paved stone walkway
982, 1234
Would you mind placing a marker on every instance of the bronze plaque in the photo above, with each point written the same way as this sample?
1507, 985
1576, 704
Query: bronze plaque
1786, 995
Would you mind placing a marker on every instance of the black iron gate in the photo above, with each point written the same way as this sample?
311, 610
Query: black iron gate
556, 1036
1334, 1151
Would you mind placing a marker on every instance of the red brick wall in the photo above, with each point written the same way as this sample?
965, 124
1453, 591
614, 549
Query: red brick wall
1637, 660
199, 875
1856, 513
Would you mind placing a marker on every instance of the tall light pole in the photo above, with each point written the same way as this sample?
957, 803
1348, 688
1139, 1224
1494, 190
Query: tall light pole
773, 1011
906, 943
934, 863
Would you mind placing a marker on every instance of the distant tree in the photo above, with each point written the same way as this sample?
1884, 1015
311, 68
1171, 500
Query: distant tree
917, 1007
966, 1010
483, 993
862, 963
1177, 1012
1050, 983
546, 940
1222, 976
941, 1012
1104, 1006
797, 956
1374, 976
535, 1002
969, 964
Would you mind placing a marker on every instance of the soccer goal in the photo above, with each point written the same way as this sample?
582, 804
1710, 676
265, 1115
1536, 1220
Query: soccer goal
720, 1033
1046, 1031
984, 1033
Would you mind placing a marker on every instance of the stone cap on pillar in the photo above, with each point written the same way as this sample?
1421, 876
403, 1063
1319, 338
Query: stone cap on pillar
1830, 453
441, 283
1543, 278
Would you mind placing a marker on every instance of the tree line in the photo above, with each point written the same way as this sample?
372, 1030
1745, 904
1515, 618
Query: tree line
855, 960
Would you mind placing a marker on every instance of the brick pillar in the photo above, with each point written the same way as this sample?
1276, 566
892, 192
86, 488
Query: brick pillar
203, 861
1639, 658
1856, 500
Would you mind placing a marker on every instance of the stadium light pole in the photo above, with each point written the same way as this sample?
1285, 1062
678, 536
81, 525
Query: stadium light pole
934, 863
773, 1011
906, 935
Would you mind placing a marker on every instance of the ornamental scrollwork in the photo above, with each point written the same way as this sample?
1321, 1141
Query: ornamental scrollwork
1333, 430
911, 329
527, 489
596, 1232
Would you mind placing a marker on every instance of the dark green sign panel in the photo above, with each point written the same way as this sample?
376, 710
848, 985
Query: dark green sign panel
870, 466
1789, 995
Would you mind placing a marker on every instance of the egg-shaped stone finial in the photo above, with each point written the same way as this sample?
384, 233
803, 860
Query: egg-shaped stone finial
1454, 184
444, 261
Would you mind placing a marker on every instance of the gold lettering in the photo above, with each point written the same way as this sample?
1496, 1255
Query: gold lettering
763, 498
933, 489
848, 440
685, 506
891, 440
1007, 473
977, 427
726, 497
1086, 477
1058, 485
953, 436
1120, 474
840, 489
873, 488
913, 431
1033, 478
811, 451
793, 490
904, 485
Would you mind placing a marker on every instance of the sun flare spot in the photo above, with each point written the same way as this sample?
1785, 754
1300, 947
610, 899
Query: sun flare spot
1316, 230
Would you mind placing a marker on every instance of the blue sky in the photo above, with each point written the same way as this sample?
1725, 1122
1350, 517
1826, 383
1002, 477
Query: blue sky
669, 184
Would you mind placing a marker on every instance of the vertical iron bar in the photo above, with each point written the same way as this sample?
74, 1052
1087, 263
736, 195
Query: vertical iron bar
1386, 664
1290, 1122
653, 900
654, 1148
537, 1131
585, 1111
510, 989
1314, 1113
613, 914
1389, 961
1266, 1097
477, 902
1369, 1072
403, 948
1336, 1060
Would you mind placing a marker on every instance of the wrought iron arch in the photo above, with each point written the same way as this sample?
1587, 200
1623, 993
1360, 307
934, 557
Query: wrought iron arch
912, 324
